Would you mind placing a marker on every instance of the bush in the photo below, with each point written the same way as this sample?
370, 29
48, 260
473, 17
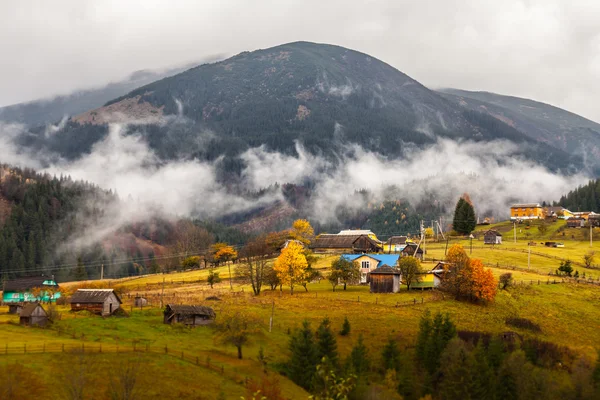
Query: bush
523, 323
506, 280
345, 327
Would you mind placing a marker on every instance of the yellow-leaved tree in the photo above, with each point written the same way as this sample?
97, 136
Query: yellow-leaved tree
291, 266
302, 231
222, 252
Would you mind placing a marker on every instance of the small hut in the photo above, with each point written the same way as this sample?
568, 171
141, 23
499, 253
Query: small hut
33, 314
98, 301
492, 236
188, 315
413, 250
15, 308
140, 301
384, 279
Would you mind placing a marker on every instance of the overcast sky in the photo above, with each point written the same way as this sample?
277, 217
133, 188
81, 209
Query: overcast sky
547, 50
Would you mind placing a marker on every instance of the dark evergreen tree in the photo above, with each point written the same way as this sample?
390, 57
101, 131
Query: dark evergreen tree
359, 357
80, 274
458, 222
326, 343
506, 387
458, 382
483, 376
390, 355
303, 363
345, 331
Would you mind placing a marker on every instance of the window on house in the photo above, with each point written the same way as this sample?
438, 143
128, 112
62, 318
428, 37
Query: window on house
366, 264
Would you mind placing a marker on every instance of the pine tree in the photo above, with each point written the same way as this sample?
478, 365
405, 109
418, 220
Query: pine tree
459, 373
80, 274
390, 355
345, 327
326, 343
459, 217
506, 388
496, 352
304, 360
484, 375
359, 357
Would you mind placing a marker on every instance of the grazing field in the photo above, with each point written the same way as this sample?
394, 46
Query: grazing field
194, 363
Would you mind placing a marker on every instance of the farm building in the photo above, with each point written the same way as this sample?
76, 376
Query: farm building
188, 315
288, 241
33, 314
526, 211
413, 250
384, 279
492, 236
431, 279
328, 243
20, 290
395, 244
99, 301
558, 212
575, 222
370, 262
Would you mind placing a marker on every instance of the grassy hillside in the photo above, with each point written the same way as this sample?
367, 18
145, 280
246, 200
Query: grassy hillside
566, 313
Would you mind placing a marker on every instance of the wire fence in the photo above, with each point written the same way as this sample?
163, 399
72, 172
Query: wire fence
203, 361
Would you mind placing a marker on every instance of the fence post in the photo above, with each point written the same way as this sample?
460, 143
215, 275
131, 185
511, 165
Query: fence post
359, 299
166, 349
414, 301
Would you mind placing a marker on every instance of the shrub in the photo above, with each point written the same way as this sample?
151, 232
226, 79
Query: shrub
345, 327
523, 323
506, 280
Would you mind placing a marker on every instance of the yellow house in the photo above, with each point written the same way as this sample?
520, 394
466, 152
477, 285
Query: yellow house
558, 212
354, 232
432, 278
526, 211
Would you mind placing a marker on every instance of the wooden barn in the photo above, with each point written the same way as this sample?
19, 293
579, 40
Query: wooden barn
384, 279
413, 250
99, 301
188, 315
575, 222
328, 243
33, 314
492, 236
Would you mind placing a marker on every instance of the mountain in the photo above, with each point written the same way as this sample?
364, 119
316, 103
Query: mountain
545, 123
323, 96
51, 110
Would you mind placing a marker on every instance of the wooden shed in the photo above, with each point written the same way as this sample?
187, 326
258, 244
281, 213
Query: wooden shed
328, 243
384, 279
413, 250
99, 301
492, 236
188, 315
33, 314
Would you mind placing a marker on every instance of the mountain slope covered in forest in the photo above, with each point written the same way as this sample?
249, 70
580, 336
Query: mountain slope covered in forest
325, 97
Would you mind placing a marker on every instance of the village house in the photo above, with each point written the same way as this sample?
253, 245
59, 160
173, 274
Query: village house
431, 279
384, 279
98, 301
594, 219
582, 214
33, 314
19, 290
395, 244
288, 241
557, 212
413, 250
188, 315
492, 236
336, 243
526, 211
575, 222
370, 262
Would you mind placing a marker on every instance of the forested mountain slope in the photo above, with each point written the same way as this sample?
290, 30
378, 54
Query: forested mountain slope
548, 124
325, 97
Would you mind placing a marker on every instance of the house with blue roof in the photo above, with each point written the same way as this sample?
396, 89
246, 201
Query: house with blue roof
370, 262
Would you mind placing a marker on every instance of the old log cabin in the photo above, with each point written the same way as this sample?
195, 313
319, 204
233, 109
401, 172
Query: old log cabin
33, 314
99, 301
384, 279
188, 314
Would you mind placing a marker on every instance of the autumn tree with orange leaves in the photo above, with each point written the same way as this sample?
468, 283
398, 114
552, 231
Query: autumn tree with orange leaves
466, 278
291, 266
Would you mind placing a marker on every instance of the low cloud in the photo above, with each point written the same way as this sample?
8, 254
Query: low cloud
492, 173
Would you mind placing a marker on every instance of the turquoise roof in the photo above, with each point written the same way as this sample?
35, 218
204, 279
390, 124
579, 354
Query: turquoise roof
384, 259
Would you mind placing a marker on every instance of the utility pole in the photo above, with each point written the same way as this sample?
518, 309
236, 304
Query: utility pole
515, 224
102, 272
162, 293
591, 235
528, 256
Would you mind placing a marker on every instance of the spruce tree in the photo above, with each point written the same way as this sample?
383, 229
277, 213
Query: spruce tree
458, 374
484, 377
304, 360
359, 357
390, 355
506, 388
459, 217
326, 343
345, 327
496, 352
